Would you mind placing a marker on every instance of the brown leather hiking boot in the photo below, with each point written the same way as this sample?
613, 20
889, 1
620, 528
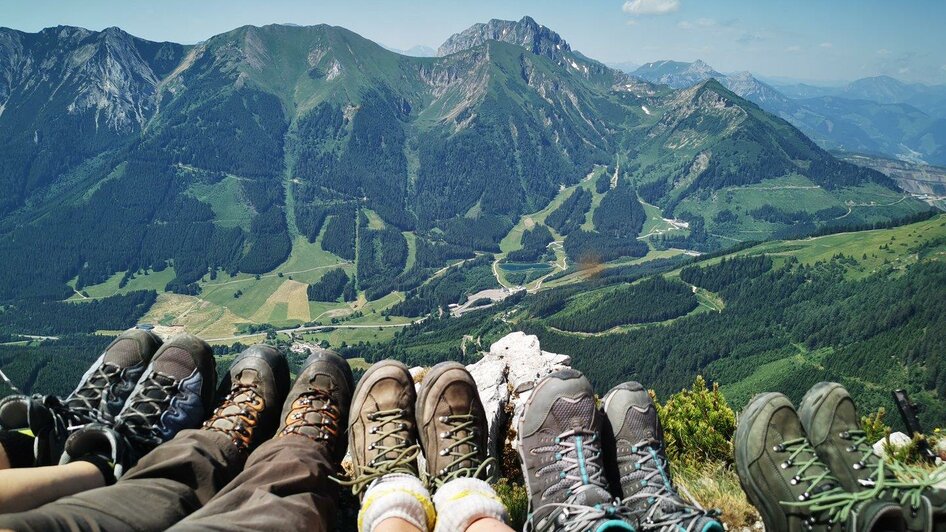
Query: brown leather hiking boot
382, 433
317, 405
256, 383
452, 425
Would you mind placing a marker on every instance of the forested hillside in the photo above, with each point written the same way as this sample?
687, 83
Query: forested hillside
859, 308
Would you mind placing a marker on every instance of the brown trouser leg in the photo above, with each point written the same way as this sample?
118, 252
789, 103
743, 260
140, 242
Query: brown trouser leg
284, 486
189, 472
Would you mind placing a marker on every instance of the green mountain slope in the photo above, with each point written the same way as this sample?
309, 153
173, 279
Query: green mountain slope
219, 157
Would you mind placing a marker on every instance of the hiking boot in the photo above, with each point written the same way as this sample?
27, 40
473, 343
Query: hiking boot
382, 434
830, 419
560, 449
100, 395
644, 480
792, 489
452, 425
173, 394
255, 386
318, 403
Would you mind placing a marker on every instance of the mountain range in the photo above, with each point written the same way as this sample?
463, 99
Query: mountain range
125, 155
878, 115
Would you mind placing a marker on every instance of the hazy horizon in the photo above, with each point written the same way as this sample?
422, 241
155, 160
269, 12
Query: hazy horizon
801, 40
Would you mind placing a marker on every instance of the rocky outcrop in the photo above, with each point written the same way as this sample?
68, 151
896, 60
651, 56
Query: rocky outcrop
505, 377
526, 33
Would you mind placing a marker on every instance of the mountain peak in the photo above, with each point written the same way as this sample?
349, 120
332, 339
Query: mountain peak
677, 74
526, 33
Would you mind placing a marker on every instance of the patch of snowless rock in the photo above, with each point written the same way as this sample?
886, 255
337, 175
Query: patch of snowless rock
505, 377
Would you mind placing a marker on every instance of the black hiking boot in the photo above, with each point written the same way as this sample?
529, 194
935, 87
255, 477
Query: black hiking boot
560, 449
317, 405
100, 395
252, 393
645, 483
830, 419
787, 482
173, 394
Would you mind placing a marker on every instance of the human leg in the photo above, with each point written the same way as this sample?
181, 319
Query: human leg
643, 474
168, 483
286, 483
448, 418
560, 449
787, 482
453, 432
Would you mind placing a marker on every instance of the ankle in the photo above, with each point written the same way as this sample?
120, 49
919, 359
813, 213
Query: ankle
396, 496
463, 501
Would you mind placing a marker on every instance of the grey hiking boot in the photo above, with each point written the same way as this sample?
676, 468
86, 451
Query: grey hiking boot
99, 397
830, 419
452, 425
318, 402
252, 393
174, 393
382, 434
560, 449
792, 489
645, 483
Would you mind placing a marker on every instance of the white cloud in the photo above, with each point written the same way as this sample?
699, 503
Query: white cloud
883, 52
826, 45
631, 22
794, 48
651, 7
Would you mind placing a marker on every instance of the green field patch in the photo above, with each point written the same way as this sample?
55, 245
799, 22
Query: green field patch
226, 199
411, 249
150, 280
279, 313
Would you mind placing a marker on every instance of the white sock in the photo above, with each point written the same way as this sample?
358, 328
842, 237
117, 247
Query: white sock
462, 501
396, 495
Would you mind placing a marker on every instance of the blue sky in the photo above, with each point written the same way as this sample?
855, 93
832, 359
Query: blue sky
816, 40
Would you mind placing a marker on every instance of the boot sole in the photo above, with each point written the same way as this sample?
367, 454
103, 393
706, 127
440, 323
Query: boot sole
755, 494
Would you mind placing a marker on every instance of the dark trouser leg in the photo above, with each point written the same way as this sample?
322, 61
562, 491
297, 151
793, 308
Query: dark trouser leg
18, 447
168, 484
284, 486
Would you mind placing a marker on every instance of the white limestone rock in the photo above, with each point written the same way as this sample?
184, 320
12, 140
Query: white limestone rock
505, 377
897, 440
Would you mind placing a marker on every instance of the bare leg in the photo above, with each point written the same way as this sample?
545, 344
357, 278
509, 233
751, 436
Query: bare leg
25, 489
396, 524
488, 524
4, 461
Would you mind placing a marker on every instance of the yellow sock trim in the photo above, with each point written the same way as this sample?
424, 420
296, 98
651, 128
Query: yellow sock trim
424, 501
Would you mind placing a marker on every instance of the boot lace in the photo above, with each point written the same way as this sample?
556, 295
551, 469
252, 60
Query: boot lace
579, 518
395, 458
578, 465
463, 425
823, 497
662, 505
320, 403
84, 403
142, 413
238, 414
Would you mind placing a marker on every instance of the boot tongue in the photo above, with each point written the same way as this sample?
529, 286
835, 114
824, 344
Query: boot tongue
590, 495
